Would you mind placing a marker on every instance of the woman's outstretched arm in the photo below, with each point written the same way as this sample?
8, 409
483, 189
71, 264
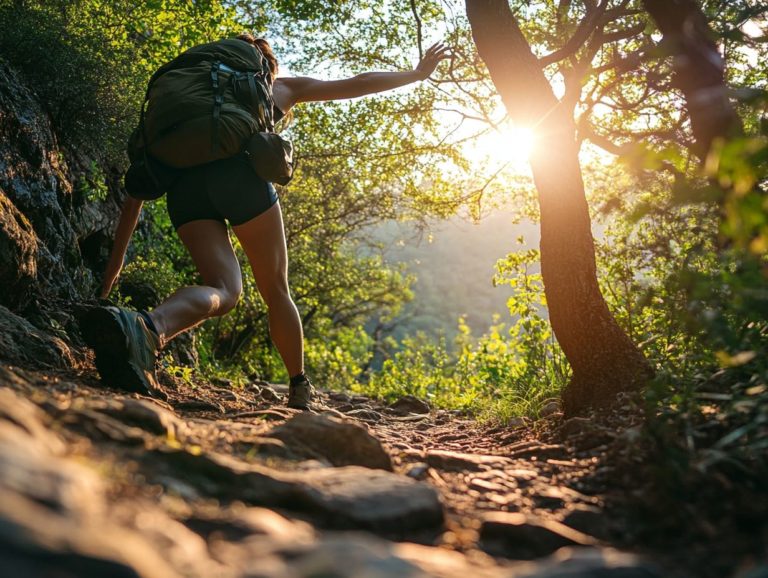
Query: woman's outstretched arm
304, 89
125, 226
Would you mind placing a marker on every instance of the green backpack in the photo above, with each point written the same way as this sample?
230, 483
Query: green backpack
209, 103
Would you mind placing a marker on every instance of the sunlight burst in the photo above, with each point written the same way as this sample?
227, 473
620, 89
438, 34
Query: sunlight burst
510, 143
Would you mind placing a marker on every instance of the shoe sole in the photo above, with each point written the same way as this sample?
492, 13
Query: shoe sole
103, 333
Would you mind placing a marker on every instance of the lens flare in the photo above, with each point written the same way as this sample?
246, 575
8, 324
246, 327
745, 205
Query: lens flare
509, 143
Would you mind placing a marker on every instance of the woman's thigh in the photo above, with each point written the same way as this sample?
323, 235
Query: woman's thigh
263, 240
210, 247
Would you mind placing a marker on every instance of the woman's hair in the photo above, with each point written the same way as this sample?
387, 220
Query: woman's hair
266, 50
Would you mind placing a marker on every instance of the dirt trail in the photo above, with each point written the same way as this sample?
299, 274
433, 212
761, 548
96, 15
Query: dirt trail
228, 482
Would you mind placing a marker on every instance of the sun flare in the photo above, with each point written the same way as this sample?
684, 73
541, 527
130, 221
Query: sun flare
508, 143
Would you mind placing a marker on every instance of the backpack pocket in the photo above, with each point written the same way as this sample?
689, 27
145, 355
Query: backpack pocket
271, 156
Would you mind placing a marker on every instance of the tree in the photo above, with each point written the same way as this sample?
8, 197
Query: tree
699, 69
603, 358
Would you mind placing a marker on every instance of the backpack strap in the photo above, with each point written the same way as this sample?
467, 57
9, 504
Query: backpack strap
218, 100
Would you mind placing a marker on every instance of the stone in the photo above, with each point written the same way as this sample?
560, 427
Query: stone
520, 537
417, 471
268, 394
355, 497
340, 442
343, 497
340, 396
551, 408
574, 562
145, 414
18, 256
37, 541
365, 414
20, 418
340, 556
21, 343
589, 520
409, 404
576, 425
63, 486
237, 524
457, 461
36, 179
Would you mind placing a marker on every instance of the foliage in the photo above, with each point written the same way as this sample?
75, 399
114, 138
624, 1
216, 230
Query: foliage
508, 372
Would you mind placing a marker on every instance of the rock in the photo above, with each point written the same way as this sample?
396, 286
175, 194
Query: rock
417, 471
589, 520
147, 415
519, 537
345, 497
268, 394
339, 441
486, 486
342, 556
21, 343
409, 404
550, 408
550, 497
183, 348
447, 564
37, 541
179, 546
20, 418
576, 425
36, 179
62, 486
339, 396
236, 524
589, 563
365, 414
355, 497
448, 460
18, 256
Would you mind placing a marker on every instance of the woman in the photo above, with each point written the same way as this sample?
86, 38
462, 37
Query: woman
200, 204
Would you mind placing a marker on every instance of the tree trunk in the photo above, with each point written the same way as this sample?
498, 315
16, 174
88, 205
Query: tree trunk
603, 358
699, 70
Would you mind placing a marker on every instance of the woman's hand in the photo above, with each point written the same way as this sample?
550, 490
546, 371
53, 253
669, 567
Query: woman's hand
432, 58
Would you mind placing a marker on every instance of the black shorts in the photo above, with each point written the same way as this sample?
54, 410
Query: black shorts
225, 190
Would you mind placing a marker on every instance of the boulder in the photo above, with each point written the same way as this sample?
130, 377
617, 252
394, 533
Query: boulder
409, 404
343, 497
21, 343
340, 442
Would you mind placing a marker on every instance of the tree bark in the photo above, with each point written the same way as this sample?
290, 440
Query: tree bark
603, 358
699, 70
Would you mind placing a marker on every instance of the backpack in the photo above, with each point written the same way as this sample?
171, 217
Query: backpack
209, 103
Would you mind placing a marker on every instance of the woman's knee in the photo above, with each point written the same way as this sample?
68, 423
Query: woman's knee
275, 293
228, 299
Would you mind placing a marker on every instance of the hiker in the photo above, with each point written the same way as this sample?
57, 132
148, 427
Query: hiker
201, 200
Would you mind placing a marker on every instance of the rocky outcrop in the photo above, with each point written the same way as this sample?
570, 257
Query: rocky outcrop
51, 232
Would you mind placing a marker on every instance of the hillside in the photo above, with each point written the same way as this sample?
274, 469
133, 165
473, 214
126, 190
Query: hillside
454, 264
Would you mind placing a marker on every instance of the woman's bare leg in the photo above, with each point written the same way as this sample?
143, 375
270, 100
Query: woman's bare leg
263, 240
211, 249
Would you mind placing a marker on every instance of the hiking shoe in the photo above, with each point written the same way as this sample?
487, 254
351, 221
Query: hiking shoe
126, 349
300, 394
